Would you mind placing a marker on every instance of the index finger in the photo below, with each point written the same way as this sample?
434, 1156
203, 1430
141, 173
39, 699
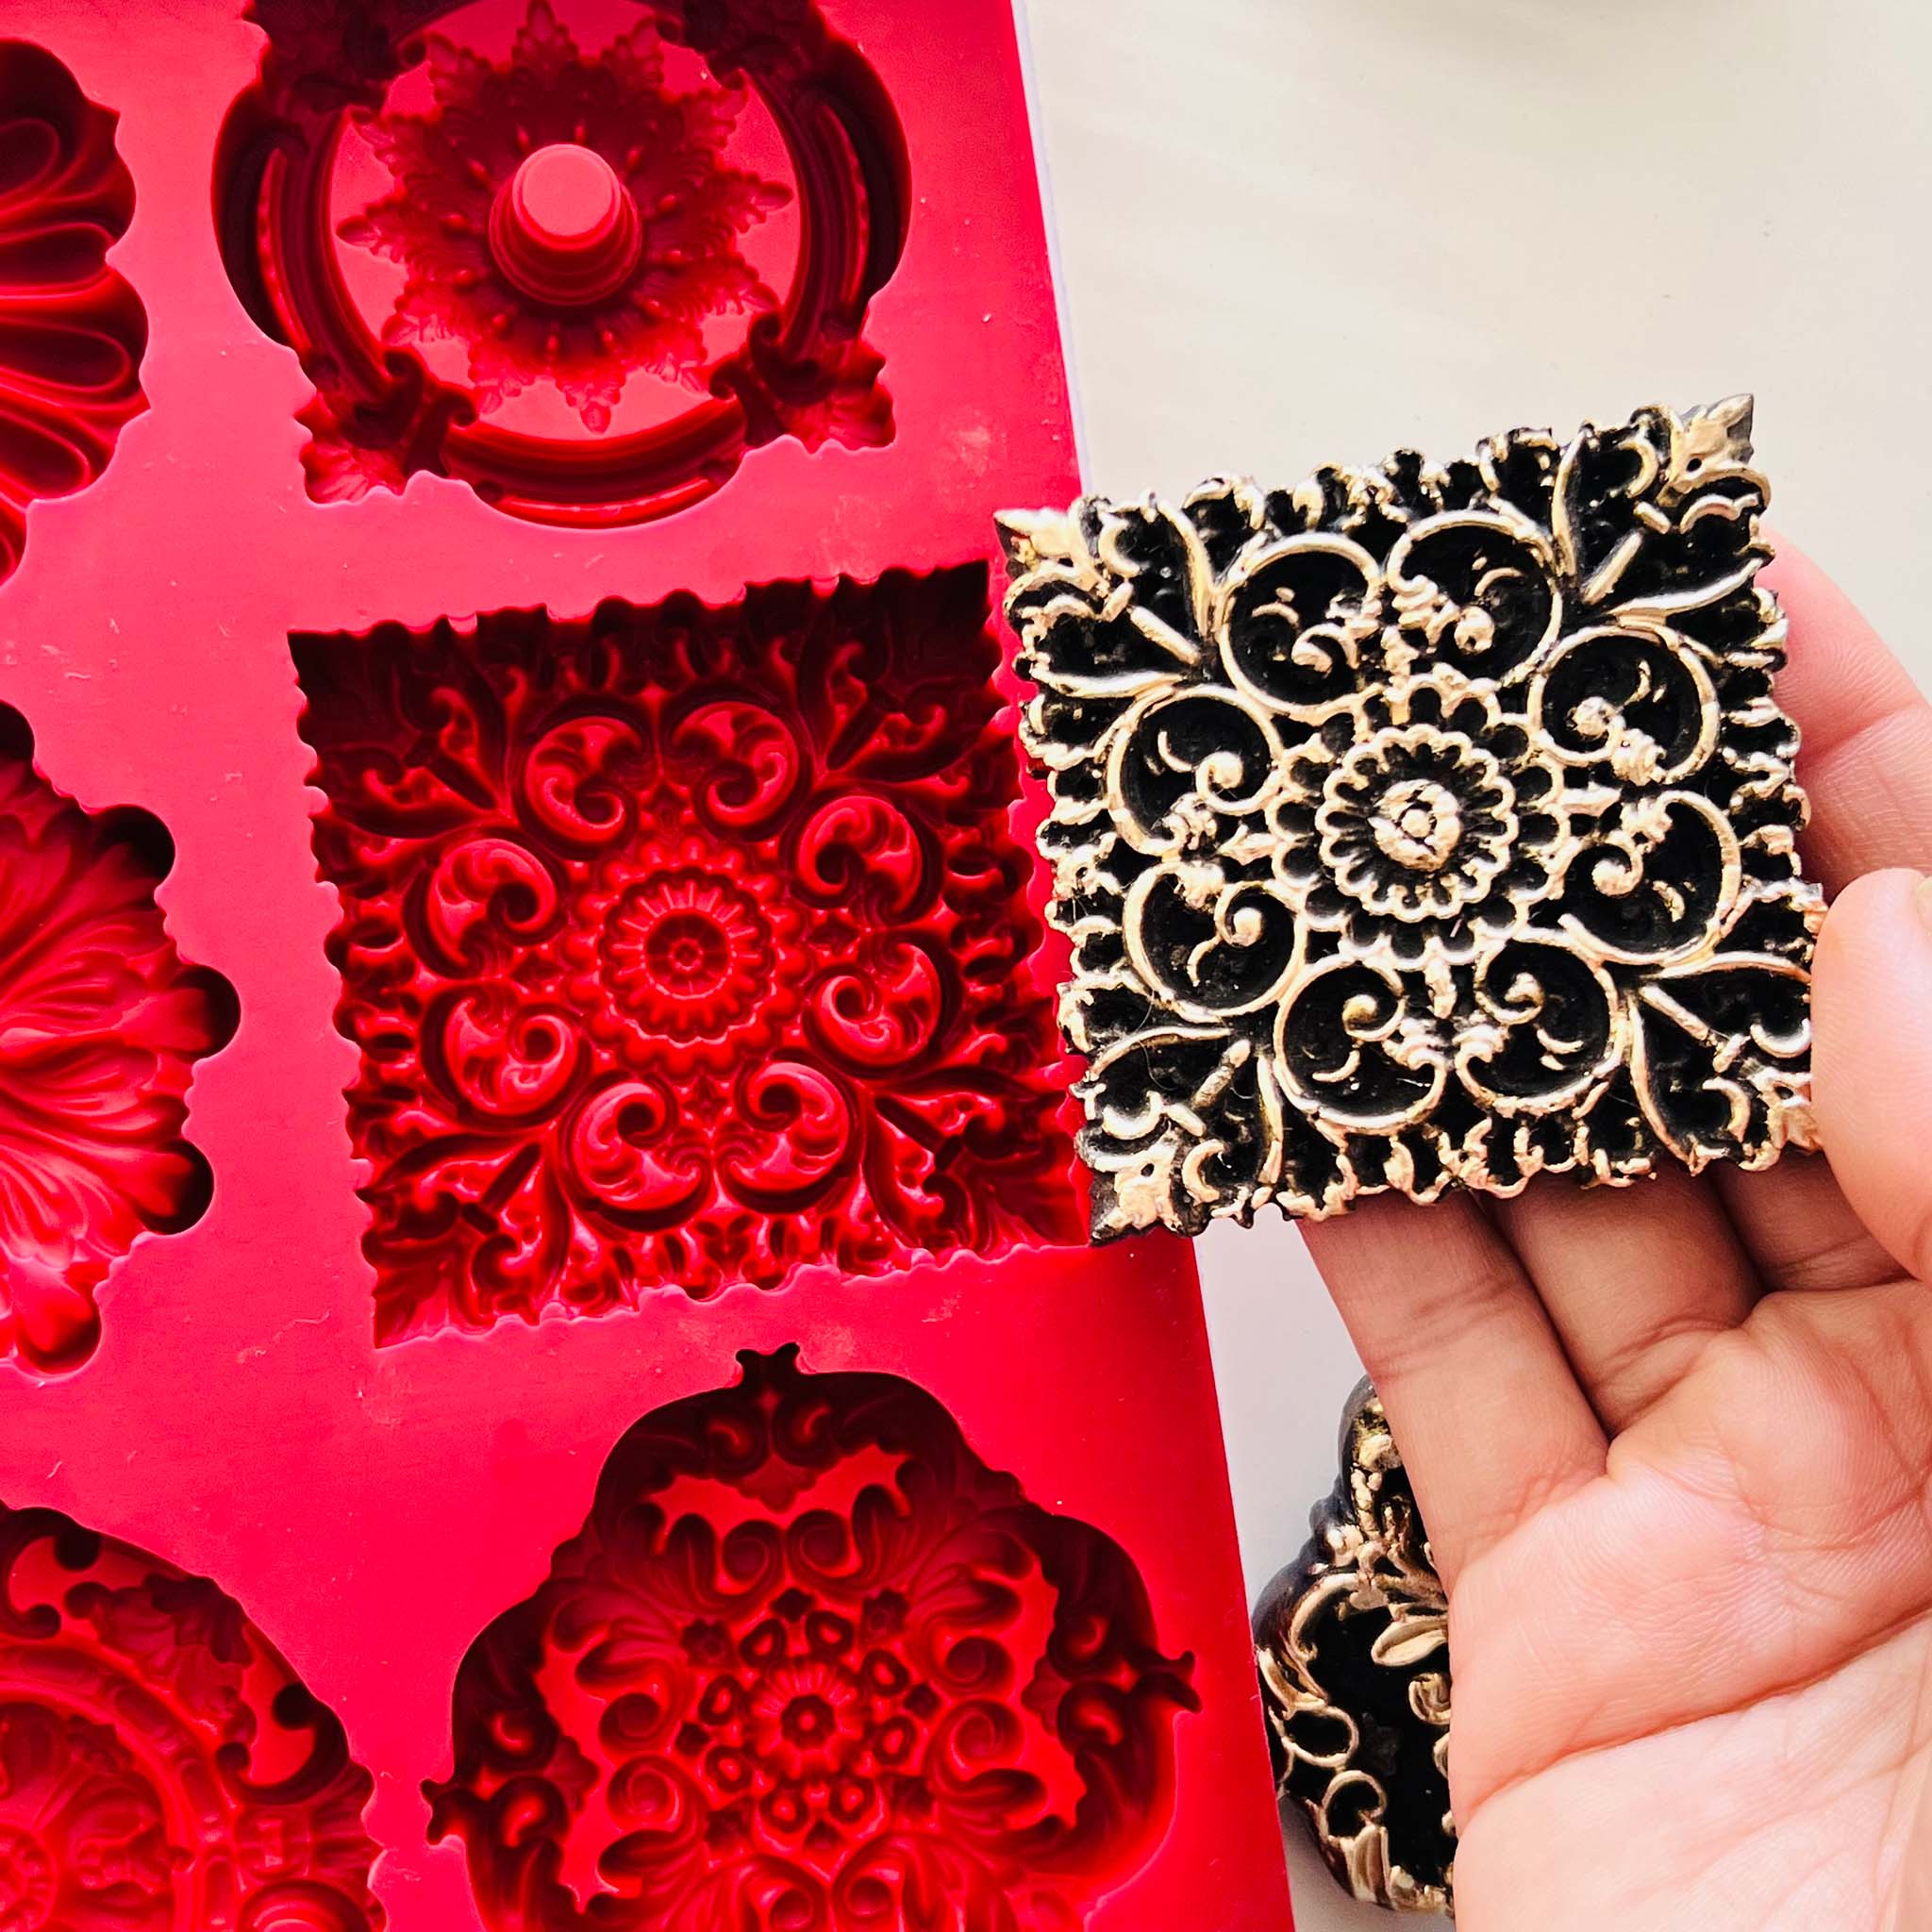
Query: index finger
1866, 760
1866, 750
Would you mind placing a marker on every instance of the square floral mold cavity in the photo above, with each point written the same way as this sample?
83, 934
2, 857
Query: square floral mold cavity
1424, 826
683, 946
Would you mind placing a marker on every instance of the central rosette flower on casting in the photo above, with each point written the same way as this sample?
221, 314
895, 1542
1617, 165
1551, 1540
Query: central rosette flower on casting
1414, 823
1421, 814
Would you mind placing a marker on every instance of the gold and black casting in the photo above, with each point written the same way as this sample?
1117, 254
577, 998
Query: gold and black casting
1353, 1644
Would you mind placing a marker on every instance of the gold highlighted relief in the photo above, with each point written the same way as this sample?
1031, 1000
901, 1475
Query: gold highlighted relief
1422, 826
1353, 1644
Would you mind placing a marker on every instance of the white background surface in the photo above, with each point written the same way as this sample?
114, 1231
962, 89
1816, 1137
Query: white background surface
1300, 231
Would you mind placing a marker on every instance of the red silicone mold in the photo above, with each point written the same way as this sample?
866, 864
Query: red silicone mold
532, 1147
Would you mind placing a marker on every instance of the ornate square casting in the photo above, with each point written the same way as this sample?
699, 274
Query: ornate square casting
1421, 826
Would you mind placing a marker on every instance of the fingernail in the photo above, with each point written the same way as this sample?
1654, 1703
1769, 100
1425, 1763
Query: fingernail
1922, 898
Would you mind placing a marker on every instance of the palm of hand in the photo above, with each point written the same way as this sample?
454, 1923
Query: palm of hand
1698, 1690
1674, 1447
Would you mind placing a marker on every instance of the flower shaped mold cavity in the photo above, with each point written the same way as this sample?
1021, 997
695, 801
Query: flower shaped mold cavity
1423, 826
101, 1023
516, 215
683, 946
811, 1663
584, 271
72, 332
161, 1768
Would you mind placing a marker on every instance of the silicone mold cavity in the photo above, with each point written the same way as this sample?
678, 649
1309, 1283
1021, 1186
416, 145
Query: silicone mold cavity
810, 1662
161, 1768
683, 946
570, 211
72, 331
101, 1023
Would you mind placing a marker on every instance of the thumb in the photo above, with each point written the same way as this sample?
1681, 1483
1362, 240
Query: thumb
1871, 1060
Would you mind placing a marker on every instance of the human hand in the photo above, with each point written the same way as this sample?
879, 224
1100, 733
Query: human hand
1674, 1443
